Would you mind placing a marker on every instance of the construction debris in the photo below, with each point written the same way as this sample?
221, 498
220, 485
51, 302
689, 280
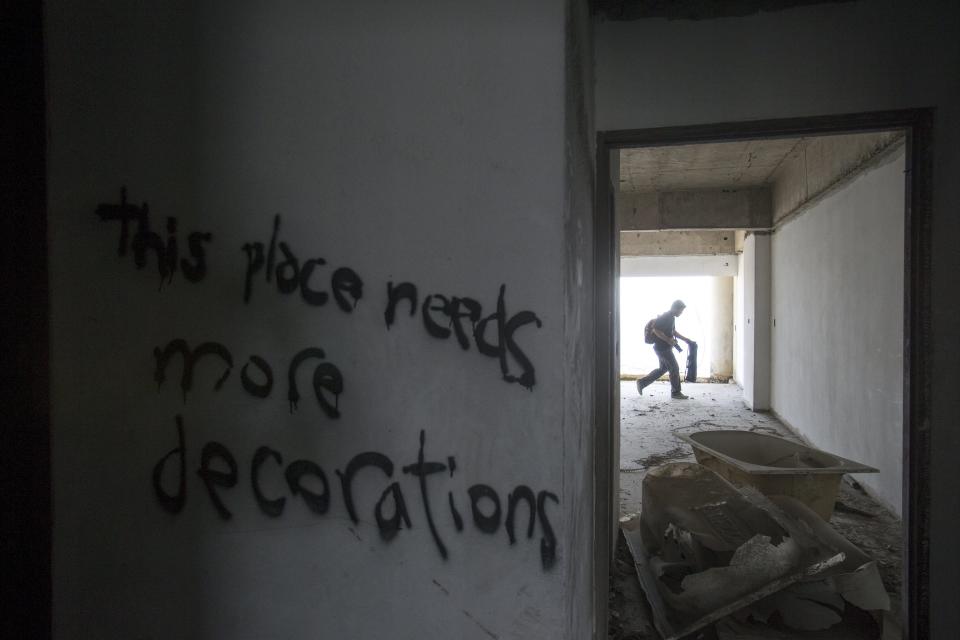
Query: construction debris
705, 550
774, 465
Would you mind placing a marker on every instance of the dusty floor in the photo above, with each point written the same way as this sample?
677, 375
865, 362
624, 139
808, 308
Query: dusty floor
647, 428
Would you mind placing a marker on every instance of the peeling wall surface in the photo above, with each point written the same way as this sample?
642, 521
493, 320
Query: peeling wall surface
314, 367
837, 343
818, 60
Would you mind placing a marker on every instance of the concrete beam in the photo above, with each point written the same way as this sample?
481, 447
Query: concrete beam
695, 209
817, 166
677, 243
724, 266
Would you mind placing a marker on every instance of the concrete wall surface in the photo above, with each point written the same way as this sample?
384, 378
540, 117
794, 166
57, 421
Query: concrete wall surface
346, 468
721, 354
818, 60
676, 243
818, 164
678, 265
756, 321
738, 322
695, 209
837, 342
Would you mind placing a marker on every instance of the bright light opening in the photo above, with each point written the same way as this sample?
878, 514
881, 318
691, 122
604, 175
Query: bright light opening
643, 298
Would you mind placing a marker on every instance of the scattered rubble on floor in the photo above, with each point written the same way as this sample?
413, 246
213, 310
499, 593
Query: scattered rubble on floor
629, 613
649, 426
657, 459
706, 552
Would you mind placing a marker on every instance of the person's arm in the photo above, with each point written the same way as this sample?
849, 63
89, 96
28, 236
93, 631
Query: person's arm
668, 339
685, 339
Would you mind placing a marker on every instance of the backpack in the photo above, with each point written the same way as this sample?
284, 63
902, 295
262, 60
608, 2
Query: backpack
648, 335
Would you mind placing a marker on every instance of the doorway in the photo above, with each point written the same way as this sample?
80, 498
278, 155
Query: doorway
914, 126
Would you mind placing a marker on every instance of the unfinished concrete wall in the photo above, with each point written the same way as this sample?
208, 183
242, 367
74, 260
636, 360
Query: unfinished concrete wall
756, 321
738, 322
678, 265
748, 208
676, 243
837, 342
721, 353
583, 573
817, 165
823, 59
274, 430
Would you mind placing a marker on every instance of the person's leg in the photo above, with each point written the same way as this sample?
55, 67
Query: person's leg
653, 375
670, 361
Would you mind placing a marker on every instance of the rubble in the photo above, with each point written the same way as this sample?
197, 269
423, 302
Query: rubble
707, 552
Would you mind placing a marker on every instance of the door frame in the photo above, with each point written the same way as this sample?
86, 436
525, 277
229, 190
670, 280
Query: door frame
918, 126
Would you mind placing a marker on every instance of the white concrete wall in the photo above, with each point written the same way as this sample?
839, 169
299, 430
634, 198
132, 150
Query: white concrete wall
756, 321
838, 338
411, 144
738, 322
823, 59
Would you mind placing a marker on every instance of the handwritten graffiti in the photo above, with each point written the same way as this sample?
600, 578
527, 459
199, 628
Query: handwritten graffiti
494, 332
291, 275
327, 379
459, 309
146, 241
443, 316
219, 471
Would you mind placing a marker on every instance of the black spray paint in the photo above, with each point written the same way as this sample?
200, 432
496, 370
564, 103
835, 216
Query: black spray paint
145, 241
443, 316
218, 470
172, 503
213, 478
291, 275
189, 360
421, 470
327, 379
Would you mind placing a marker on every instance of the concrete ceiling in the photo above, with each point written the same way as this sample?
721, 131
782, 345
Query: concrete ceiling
720, 165
740, 184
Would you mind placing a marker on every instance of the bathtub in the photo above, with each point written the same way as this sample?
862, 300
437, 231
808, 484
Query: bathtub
775, 466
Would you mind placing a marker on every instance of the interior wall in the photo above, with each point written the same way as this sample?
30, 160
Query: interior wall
837, 340
816, 60
433, 146
721, 356
738, 321
584, 571
756, 321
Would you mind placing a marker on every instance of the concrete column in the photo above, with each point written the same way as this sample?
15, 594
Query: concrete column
721, 333
756, 311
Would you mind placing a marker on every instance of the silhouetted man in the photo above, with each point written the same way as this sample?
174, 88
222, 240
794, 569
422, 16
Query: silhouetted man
664, 341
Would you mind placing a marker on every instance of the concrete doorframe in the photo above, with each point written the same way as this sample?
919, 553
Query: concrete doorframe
918, 125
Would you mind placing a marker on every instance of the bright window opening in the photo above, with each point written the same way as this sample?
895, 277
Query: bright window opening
643, 298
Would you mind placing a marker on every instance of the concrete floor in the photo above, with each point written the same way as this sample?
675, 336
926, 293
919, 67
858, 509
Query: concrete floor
648, 424
647, 427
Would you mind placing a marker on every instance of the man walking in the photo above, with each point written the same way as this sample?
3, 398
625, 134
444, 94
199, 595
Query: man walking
664, 340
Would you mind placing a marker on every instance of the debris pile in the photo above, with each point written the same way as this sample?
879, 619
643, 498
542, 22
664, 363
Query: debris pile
758, 566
